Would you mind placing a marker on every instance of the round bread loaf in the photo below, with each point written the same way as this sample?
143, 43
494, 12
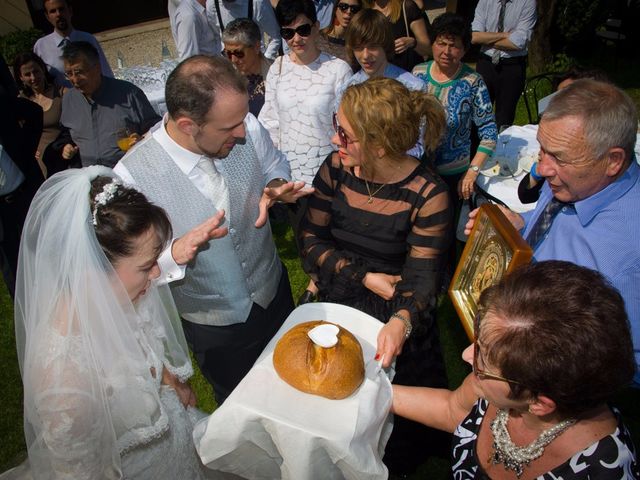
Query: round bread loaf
334, 372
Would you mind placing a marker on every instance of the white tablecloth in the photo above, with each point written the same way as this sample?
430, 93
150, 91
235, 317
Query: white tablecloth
514, 143
266, 429
151, 80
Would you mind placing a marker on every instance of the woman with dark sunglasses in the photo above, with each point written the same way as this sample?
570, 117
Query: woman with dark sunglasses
301, 90
552, 347
332, 38
301, 93
374, 236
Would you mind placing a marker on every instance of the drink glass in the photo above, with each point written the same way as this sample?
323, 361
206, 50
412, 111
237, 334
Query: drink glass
125, 138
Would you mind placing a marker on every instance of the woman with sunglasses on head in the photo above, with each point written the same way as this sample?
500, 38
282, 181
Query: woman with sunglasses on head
552, 347
412, 44
241, 39
374, 235
332, 38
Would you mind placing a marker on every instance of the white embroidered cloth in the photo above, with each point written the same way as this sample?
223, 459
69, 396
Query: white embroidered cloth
267, 429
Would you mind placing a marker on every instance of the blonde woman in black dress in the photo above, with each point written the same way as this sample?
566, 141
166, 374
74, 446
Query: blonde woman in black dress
375, 235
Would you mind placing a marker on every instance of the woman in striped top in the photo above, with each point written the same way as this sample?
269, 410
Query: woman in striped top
376, 230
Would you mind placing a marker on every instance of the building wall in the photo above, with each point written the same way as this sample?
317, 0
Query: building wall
14, 15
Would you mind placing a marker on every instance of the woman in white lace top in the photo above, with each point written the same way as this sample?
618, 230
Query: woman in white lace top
301, 91
103, 358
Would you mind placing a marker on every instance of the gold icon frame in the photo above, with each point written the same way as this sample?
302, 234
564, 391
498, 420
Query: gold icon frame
494, 248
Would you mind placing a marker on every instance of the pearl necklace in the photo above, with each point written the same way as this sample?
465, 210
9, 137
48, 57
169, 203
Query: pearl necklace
514, 457
371, 195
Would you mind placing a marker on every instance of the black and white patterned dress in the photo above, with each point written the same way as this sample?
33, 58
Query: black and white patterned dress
612, 457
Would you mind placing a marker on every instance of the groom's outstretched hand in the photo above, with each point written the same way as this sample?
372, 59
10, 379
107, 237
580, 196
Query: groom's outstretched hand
279, 190
186, 247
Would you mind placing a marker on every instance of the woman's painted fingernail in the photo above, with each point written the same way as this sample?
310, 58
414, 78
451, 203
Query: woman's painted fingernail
377, 357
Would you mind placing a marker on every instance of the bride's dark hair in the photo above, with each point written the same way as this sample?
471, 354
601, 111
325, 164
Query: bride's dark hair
124, 217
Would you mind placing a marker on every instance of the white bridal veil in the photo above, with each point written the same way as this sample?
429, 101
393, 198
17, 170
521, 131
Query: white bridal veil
91, 361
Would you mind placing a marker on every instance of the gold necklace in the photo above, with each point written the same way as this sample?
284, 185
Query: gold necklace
371, 195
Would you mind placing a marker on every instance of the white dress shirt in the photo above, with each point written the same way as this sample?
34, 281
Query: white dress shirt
192, 31
519, 19
275, 165
263, 15
49, 48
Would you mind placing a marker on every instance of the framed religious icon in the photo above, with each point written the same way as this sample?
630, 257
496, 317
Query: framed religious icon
493, 249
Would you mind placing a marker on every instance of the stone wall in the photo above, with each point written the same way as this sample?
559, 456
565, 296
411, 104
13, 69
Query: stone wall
140, 44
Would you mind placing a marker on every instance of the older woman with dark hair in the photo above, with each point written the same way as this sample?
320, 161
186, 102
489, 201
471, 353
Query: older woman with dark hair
465, 98
552, 347
241, 39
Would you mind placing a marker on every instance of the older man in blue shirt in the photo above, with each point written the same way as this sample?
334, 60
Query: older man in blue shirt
587, 137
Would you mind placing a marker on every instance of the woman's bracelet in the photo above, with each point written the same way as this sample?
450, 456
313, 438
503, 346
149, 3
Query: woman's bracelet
534, 172
407, 324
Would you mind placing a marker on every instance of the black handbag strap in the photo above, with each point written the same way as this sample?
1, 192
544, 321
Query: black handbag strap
249, 13
481, 192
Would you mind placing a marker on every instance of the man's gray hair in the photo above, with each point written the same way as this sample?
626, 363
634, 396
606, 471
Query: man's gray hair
609, 116
243, 31
193, 85
72, 52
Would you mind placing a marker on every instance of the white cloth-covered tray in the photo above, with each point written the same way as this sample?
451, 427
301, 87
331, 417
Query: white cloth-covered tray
266, 429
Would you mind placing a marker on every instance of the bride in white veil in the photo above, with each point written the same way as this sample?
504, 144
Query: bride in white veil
101, 350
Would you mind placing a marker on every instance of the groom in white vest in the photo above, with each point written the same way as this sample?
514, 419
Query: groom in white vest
211, 157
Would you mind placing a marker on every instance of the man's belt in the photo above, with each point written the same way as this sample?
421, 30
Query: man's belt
506, 60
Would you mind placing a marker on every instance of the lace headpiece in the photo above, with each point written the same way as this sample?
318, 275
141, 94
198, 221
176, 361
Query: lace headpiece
109, 191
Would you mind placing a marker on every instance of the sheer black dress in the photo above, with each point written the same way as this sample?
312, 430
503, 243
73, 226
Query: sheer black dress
401, 230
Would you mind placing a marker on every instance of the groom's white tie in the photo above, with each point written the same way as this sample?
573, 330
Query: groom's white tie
216, 187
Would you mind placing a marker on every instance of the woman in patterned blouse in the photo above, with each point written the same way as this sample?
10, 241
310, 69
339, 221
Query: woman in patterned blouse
552, 347
375, 232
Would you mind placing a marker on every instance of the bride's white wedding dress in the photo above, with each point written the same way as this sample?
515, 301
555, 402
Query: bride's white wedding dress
163, 451
91, 360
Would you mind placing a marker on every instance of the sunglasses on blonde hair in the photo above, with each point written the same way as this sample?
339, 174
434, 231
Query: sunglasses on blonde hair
342, 135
